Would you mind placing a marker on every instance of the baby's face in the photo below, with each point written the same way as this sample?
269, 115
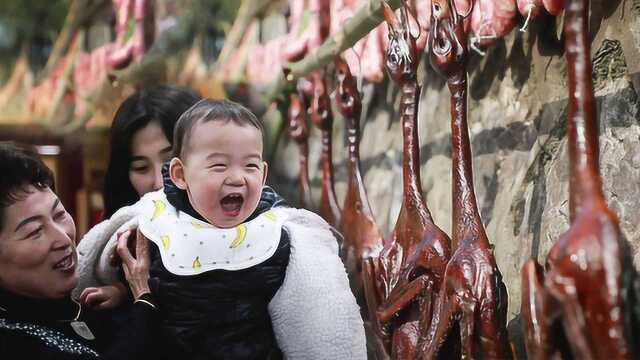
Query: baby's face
224, 171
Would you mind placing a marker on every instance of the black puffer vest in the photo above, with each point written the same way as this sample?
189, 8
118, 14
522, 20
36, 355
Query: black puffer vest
220, 314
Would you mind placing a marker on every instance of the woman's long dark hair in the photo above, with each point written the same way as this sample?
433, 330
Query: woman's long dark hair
162, 104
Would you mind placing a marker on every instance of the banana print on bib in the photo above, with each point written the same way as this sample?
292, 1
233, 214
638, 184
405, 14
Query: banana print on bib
189, 246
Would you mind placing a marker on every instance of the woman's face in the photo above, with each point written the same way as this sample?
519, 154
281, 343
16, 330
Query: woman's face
149, 150
37, 247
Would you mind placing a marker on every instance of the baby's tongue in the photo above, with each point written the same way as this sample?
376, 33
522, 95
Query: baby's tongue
231, 205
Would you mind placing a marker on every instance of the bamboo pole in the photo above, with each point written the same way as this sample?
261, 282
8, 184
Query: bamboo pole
368, 17
80, 12
249, 9
173, 40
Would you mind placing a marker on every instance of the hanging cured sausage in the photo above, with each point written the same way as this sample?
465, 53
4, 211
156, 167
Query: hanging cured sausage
126, 50
587, 300
323, 118
401, 284
135, 31
492, 19
532, 8
310, 24
554, 7
529, 9
472, 295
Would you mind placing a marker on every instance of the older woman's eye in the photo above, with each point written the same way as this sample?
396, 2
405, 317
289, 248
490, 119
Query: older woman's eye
60, 215
35, 233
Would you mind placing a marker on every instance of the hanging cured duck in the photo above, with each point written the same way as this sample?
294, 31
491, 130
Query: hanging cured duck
299, 133
361, 234
401, 284
322, 117
586, 303
472, 304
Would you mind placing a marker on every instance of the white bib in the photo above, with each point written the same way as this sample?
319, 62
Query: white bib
189, 246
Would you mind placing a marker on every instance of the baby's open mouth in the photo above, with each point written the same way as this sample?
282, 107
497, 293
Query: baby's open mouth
231, 204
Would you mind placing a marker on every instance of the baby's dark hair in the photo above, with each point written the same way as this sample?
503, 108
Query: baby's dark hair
210, 110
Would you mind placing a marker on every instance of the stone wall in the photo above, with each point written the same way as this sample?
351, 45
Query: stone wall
517, 120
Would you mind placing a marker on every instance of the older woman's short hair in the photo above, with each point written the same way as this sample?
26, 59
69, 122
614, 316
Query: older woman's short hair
20, 169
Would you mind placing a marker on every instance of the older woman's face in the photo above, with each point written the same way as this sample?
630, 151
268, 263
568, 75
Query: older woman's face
149, 150
37, 247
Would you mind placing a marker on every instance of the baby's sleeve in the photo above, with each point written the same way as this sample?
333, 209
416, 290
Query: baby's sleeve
94, 268
314, 313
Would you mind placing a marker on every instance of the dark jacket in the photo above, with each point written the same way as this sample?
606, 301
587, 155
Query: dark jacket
43, 329
219, 314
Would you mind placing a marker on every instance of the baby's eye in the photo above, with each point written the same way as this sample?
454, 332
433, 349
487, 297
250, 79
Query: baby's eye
217, 167
254, 166
139, 169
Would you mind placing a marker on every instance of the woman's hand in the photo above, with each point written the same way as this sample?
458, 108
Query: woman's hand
104, 297
136, 270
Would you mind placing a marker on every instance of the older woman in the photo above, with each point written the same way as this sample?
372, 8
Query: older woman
38, 318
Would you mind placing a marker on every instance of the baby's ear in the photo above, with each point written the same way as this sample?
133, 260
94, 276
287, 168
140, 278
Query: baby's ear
176, 171
264, 173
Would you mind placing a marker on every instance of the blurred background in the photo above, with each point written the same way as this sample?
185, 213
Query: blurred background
65, 66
